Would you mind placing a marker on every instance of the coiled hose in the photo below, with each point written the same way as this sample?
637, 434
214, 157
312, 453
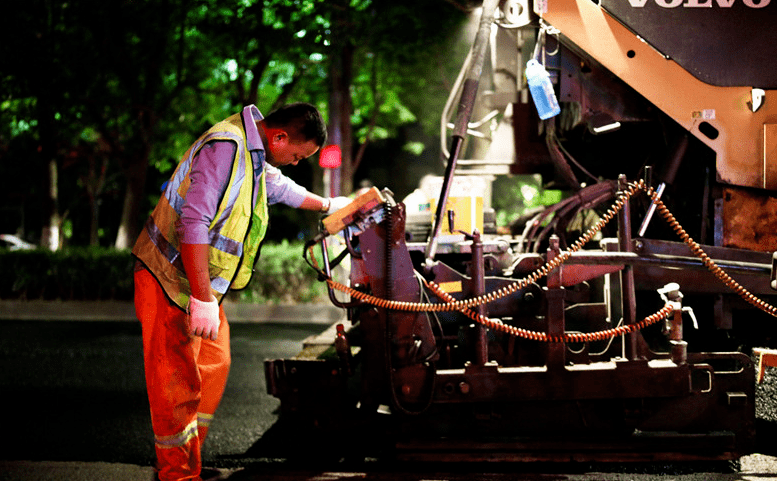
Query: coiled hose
716, 270
497, 325
465, 305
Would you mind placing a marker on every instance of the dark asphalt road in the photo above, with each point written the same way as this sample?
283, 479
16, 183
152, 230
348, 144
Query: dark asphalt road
74, 407
75, 391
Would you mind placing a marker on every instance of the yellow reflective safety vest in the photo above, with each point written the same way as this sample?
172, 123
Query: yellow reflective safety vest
235, 234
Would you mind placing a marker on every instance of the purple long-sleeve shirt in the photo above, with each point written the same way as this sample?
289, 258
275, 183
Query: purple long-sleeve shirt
210, 174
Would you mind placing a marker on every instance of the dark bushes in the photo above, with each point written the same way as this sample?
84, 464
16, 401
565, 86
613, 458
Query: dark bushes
95, 273
71, 274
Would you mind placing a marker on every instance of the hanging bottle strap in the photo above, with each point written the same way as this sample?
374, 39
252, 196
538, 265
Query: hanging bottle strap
539, 46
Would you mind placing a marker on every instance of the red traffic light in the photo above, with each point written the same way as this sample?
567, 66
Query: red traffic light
330, 157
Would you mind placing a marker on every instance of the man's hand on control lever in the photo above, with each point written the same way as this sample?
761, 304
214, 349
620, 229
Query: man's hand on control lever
337, 203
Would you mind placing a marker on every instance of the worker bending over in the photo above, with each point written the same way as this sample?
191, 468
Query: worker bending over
200, 241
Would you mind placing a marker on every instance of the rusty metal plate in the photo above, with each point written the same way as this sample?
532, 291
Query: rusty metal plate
749, 220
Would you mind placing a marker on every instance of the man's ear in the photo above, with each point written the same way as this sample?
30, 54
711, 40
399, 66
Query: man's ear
280, 137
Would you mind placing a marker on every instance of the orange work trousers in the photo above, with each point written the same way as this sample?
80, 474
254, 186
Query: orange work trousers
185, 379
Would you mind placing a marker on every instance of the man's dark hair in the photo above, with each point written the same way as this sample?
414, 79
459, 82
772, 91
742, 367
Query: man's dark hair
301, 120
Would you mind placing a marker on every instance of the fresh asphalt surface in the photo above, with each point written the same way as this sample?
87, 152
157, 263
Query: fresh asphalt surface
74, 407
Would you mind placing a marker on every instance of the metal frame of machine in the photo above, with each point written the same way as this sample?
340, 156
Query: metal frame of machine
484, 349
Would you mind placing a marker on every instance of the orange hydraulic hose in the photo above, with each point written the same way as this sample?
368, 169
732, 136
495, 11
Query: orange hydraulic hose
465, 305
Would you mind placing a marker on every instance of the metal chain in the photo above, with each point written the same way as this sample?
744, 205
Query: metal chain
465, 305
622, 198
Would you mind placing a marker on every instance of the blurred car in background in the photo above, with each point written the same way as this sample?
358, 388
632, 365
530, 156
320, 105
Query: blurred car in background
14, 243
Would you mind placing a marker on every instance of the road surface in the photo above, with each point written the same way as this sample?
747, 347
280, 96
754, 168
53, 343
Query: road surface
74, 407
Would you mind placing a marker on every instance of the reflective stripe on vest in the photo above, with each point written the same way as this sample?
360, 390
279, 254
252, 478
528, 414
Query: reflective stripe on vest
230, 262
216, 240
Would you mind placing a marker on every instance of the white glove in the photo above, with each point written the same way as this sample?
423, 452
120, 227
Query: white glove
337, 203
204, 318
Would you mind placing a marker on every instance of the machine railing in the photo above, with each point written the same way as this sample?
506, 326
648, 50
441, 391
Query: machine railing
623, 197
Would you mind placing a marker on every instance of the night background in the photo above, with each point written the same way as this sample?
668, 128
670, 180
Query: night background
98, 100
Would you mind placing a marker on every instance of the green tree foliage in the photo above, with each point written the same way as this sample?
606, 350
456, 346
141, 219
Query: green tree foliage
105, 80
106, 96
520, 197
268, 47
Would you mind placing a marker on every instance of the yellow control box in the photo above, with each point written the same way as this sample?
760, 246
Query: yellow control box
465, 199
360, 206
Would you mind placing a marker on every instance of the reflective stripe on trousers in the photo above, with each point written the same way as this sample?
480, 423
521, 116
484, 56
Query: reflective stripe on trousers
185, 379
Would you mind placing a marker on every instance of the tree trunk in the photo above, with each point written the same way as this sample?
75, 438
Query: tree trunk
94, 183
136, 169
347, 171
50, 236
133, 196
50, 233
94, 222
340, 107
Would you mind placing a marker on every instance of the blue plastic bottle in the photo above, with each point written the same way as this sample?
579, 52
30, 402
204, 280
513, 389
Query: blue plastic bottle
541, 90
